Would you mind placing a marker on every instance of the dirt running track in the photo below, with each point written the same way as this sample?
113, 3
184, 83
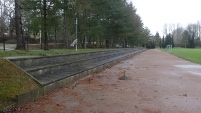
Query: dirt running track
158, 83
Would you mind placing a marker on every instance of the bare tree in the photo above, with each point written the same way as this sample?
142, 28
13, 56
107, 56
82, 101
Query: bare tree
199, 29
6, 16
171, 27
192, 28
2, 18
165, 29
177, 34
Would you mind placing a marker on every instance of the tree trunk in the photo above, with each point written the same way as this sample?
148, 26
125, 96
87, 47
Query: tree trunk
18, 22
65, 26
55, 35
45, 24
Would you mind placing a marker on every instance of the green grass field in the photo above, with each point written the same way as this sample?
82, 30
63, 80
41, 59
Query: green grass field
193, 55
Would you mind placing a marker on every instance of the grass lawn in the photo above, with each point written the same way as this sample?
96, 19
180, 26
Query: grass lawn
12, 82
193, 55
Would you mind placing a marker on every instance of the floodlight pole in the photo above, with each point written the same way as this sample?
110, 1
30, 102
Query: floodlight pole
76, 23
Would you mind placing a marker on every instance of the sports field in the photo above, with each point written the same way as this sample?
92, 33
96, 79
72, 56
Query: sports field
193, 55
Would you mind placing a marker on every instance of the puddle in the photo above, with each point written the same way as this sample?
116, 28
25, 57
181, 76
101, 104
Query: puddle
195, 73
193, 69
189, 66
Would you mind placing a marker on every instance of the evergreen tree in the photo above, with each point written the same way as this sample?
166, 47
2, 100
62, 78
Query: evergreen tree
191, 41
42, 16
172, 41
157, 39
103, 22
163, 42
168, 40
18, 24
185, 38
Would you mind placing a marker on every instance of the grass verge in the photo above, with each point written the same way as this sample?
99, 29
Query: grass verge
12, 82
193, 55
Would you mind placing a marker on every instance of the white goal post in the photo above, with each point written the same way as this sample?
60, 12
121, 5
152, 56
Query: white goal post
169, 47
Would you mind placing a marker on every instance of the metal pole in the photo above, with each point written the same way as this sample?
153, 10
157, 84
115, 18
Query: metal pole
85, 45
76, 22
4, 41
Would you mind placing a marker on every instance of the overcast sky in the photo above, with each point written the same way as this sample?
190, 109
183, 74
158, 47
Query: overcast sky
156, 13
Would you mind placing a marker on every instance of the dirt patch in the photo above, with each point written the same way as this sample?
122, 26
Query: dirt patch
156, 85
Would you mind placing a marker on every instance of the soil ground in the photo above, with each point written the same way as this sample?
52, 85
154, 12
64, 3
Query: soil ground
158, 82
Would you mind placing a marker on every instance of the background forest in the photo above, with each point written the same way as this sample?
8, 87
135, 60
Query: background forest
100, 23
188, 37
177, 36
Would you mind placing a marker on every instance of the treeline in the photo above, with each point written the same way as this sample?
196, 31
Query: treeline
101, 23
178, 36
167, 40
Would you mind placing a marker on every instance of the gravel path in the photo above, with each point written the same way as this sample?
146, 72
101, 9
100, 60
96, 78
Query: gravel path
158, 82
8, 47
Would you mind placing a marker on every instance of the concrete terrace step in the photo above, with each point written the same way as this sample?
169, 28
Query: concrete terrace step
66, 62
58, 66
49, 69
50, 78
28, 61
